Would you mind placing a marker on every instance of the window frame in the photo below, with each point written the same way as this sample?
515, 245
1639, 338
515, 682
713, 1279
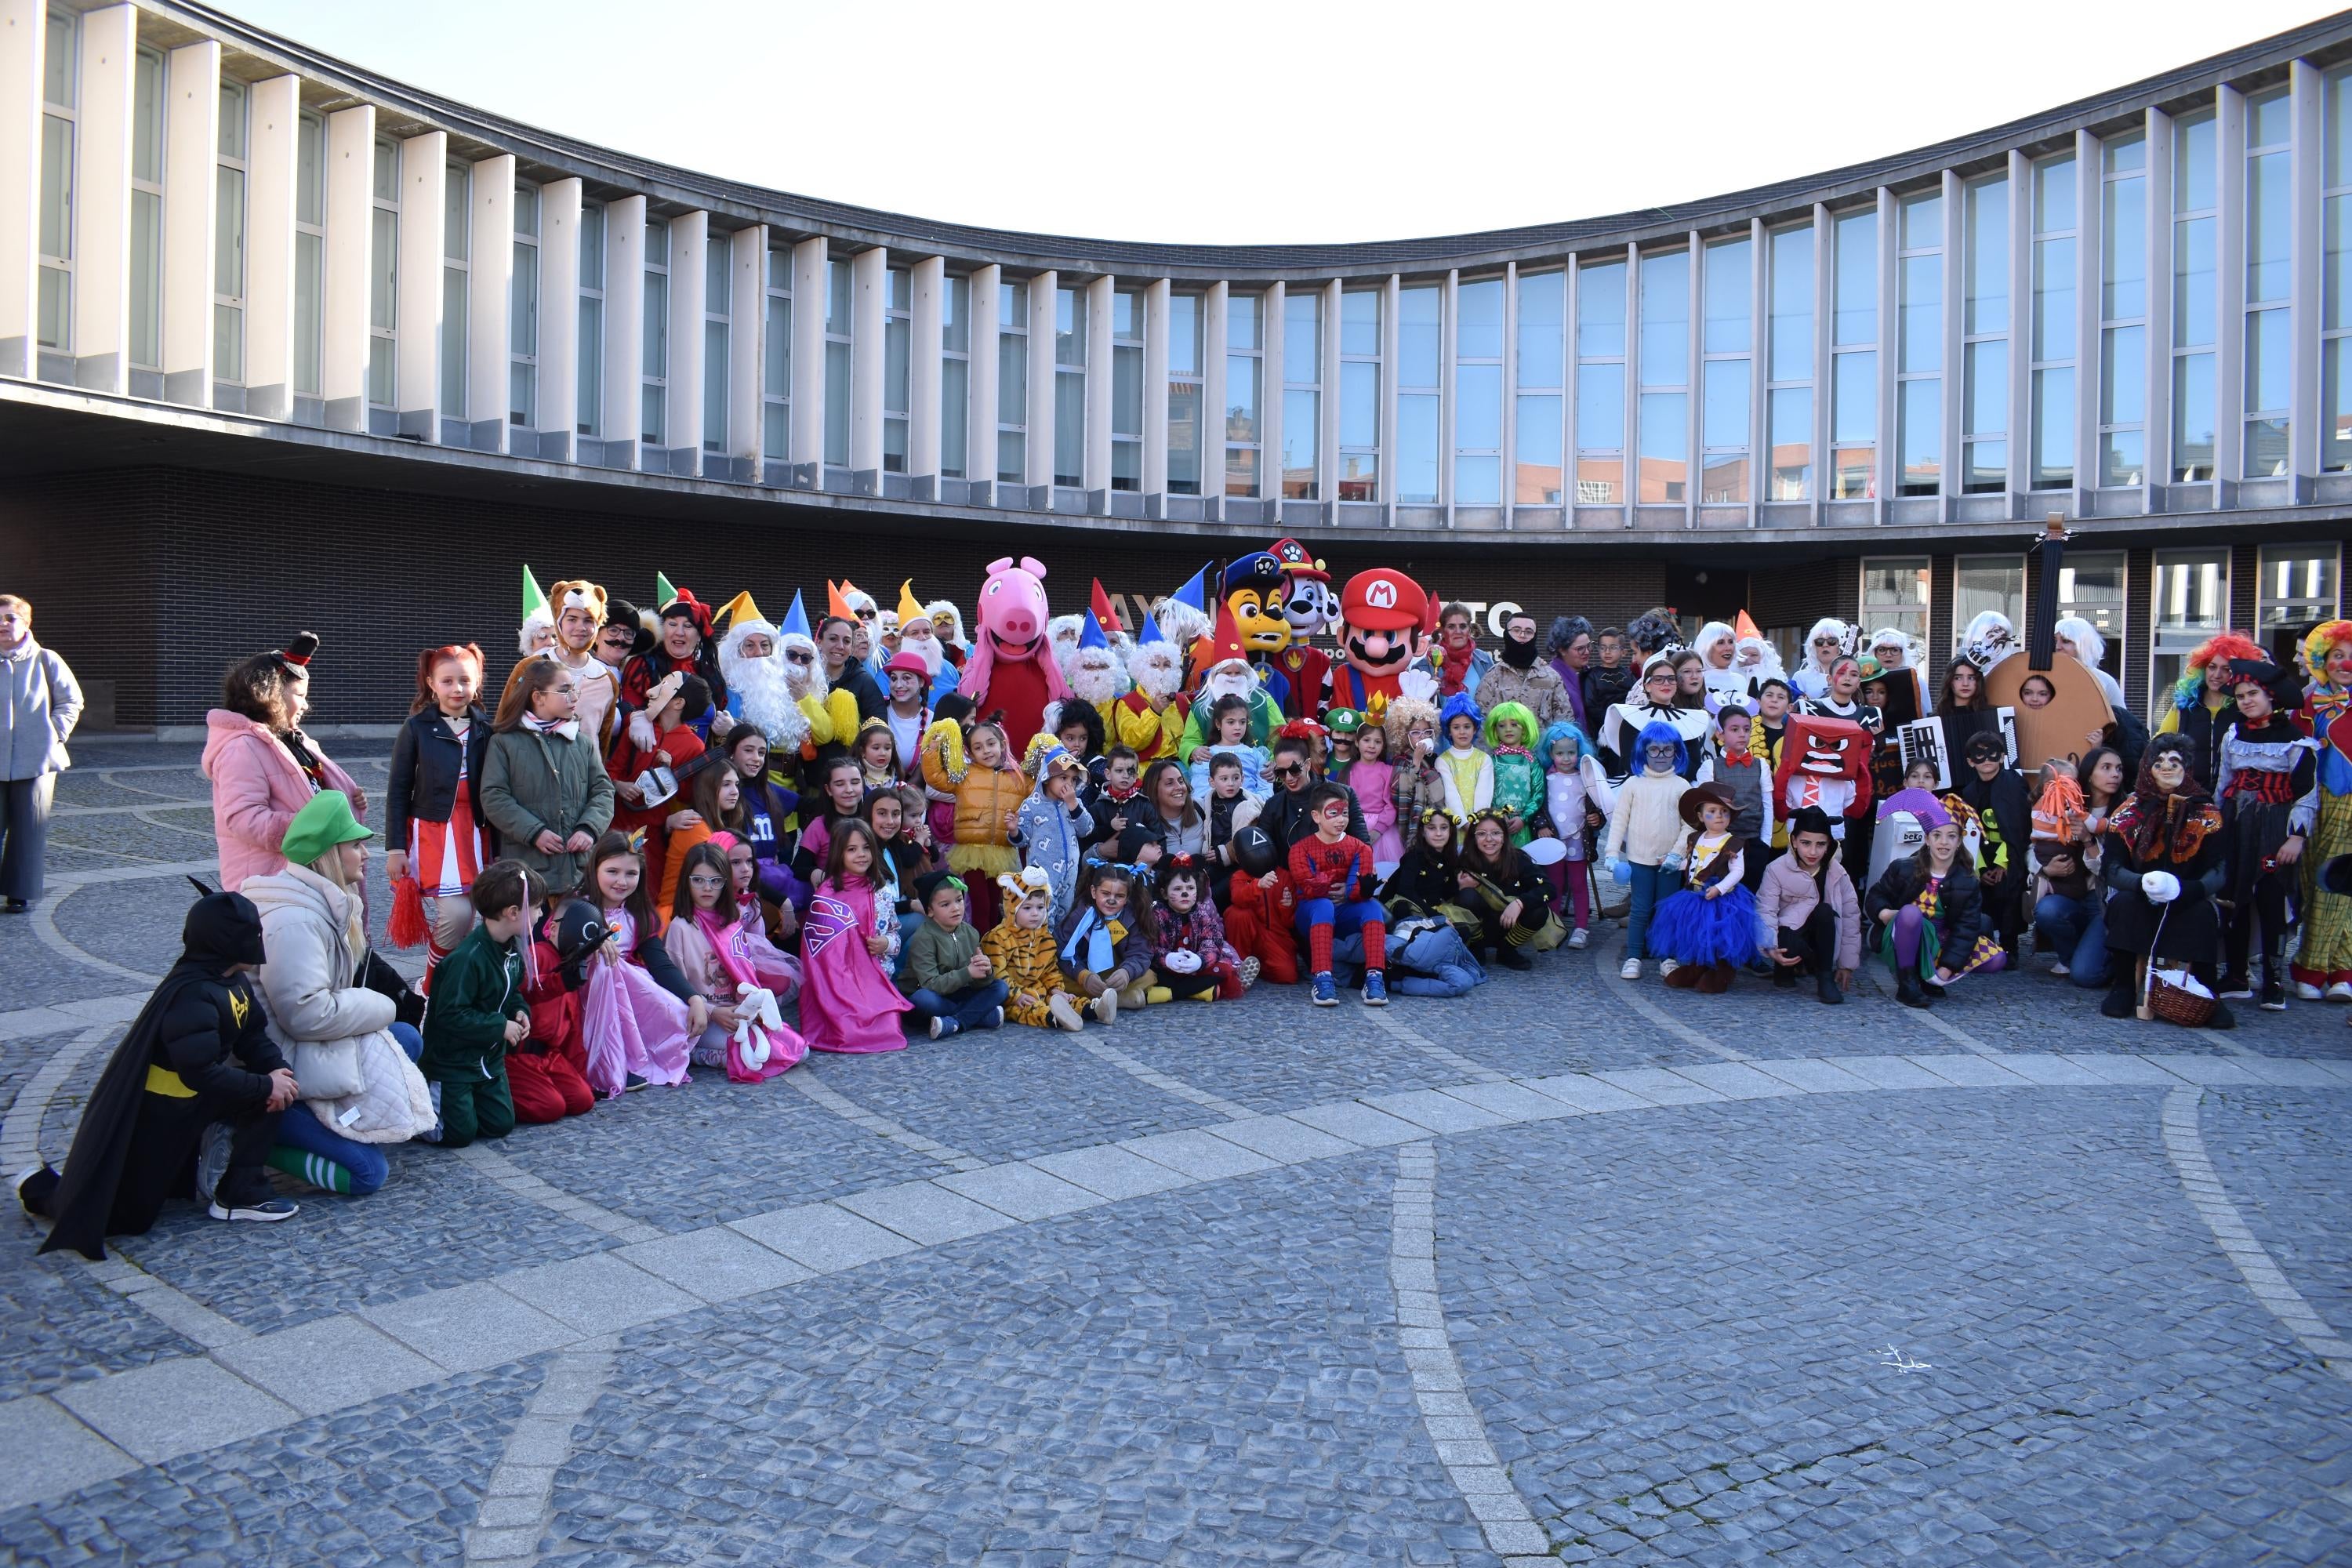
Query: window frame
232, 172
653, 358
1302, 393
522, 315
310, 128
718, 340
1358, 464
456, 275
776, 355
55, 280
2282, 305
595, 240
383, 268
1906, 377
1012, 356
1778, 486
1127, 370
2112, 173
1184, 303
1713, 456
1237, 486
142, 338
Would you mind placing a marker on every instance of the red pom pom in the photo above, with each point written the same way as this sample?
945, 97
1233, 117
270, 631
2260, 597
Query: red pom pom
407, 923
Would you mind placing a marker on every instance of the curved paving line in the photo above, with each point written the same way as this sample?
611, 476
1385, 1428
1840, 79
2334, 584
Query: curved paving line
20, 1134
44, 917
1926, 1016
1605, 965
1144, 1072
804, 1078
2186, 1145
1454, 1428
1476, 1071
560, 1306
515, 1508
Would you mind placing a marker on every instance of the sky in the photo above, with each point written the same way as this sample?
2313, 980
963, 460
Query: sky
1212, 123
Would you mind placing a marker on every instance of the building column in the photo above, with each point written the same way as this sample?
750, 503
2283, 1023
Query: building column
1101, 355
809, 258
21, 37
1327, 438
559, 326
350, 228
980, 448
689, 291
101, 206
190, 211
1888, 461
928, 281
2159, 318
2020, 330
489, 303
747, 271
270, 171
622, 419
2307, 106
1271, 308
1391, 300
2229, 280
1213, 401
423, 222
1040, 473
1156, 295
869, 301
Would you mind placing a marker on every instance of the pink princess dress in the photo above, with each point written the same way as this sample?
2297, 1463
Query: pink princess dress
629, 1024
847, 1002
1374, 784
758, 1050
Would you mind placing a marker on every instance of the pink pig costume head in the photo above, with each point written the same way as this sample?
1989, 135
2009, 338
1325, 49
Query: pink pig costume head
1011, 627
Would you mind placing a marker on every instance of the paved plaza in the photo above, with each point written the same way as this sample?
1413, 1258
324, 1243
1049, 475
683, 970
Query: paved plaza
1571, 1270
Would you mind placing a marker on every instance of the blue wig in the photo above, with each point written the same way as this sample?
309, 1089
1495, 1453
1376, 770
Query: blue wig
1658, 732
1563, 730
1458, 706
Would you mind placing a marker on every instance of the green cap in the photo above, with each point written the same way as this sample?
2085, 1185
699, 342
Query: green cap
1343, 720
325, 822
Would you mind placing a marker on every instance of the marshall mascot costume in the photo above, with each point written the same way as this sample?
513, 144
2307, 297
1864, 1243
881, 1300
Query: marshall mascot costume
1310, 607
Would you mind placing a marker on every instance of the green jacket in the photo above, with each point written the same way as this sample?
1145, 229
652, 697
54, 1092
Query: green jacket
533, 781
475, 990
937, 959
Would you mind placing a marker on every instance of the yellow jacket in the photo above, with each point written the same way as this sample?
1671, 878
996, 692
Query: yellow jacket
983, 796
1131, 720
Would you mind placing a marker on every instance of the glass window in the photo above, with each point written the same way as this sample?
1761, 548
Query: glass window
1854, 409
1245, 389
591, 390
2192, 603
839, 319
1601, 383
1012, 383
2335, 284
228, 238
2053, 324
53, 308
1665, 319
2122, 313
1789, 404
653, 424
1420, 349
145, 343
1069, 386
2195, 297
1856, 316
2297, 591
1665, 437
522, 317
1479, 394
1302, 398
383, 278
1359, 394
2269, 266
2091, 585
1539, 475
1981, 583
1127, 390
310, 249
1919, 352
1725, 336
1542, 327
1895, 594
776, 361
1791, 437
1184, 395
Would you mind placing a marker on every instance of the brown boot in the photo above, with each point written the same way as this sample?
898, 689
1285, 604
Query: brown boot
1684, 978
1714, 980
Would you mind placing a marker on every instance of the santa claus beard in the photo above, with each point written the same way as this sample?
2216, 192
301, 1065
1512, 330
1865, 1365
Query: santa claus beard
767, 702
1156, 672
1229, 679
923, 646
1094, 676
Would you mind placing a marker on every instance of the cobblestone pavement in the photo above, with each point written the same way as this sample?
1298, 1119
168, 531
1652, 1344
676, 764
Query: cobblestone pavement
1574, 1270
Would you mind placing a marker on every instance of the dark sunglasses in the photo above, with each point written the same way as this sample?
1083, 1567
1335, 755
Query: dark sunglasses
800, 657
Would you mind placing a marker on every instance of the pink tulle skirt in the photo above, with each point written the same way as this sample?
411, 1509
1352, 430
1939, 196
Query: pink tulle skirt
630, 1024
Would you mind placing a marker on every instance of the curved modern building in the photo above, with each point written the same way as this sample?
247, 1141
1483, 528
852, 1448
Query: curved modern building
282, 340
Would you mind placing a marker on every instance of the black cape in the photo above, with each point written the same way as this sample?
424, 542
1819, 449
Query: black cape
116, 1182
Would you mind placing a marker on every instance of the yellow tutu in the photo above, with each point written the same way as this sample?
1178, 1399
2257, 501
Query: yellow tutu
988, 861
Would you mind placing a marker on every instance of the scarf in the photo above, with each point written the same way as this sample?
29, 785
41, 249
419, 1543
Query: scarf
1519, 655
569, 729
1099, 938
2154, 824
299, 745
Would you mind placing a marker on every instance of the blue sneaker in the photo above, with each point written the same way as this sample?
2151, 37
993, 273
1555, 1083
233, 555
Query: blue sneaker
1326, 994
1376, 989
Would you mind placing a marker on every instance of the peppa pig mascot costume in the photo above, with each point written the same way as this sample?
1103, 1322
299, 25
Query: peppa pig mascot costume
1009, 670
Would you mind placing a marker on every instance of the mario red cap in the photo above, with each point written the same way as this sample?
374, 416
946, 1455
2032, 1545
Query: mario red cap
1297, 561
1383, 600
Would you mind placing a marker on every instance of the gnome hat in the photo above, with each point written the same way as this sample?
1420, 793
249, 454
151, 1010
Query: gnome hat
1151, 632
1091, 633
836, 601
1194, 594
535, 610
910, 608
1226, 642
796, 621
743, 620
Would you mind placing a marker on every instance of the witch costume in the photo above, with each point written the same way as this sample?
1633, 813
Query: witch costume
2167, 857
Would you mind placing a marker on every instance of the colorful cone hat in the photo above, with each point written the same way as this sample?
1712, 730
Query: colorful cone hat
910, 608
665, 592
534, 602
1104, 611
796, 618
1195, 592
836, 601
1151, 632
739, 607
1226, 642
1090, 633
1745, 627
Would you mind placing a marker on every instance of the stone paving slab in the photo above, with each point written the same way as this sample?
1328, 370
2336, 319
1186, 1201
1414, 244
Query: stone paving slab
2053, 1071
174, 1407
1591, 1094
1735, 1080
327, 1364
925, 1212
822, 1237
1512, 1101
2123, 1069
595, 1294
469, 1327
717, 1264
1358, 1123
1024, 1191
1658, 1086
51, 1453
1965, 1071
1436, 1110
1814, 1075
1112, 1172
1200, 1155
1285, 1138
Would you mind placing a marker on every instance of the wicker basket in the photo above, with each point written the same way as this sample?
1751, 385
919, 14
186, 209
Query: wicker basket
2190, 1009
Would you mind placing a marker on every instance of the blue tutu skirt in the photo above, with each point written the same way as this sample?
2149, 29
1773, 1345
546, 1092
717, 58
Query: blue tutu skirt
1690, 927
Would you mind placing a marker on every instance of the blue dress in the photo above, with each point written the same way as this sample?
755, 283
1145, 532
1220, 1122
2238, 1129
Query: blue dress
1691, 928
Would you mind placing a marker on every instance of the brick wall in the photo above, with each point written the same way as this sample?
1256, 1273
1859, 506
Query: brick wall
158, 579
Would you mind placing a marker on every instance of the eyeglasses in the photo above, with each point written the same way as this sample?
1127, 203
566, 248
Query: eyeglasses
706, 881
866, 614
1292, 772
800, 657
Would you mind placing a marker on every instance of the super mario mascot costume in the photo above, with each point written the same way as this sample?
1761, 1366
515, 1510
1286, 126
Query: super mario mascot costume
1009, 671
1385, 624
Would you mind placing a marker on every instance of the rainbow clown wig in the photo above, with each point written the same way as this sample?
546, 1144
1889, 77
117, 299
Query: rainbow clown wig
2226, 646
2316, 644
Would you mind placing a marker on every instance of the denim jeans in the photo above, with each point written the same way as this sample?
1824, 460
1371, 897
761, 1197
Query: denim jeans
967, 1009
2075, 930
299, 1128
1651, 883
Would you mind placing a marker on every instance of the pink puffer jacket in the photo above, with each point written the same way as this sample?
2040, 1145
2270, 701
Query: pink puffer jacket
258, 787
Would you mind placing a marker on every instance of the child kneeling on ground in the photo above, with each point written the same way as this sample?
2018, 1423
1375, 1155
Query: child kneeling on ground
951, 983
478, 1011
1020, 947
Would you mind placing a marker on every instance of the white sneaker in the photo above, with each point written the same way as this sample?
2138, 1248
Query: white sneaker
2306, 991
1064, 1015
1665, 966
1630, 969
2059, 969
2340, 991
1577, 938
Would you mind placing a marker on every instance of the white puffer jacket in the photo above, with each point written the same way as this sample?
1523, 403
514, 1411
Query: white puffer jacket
354, 1077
